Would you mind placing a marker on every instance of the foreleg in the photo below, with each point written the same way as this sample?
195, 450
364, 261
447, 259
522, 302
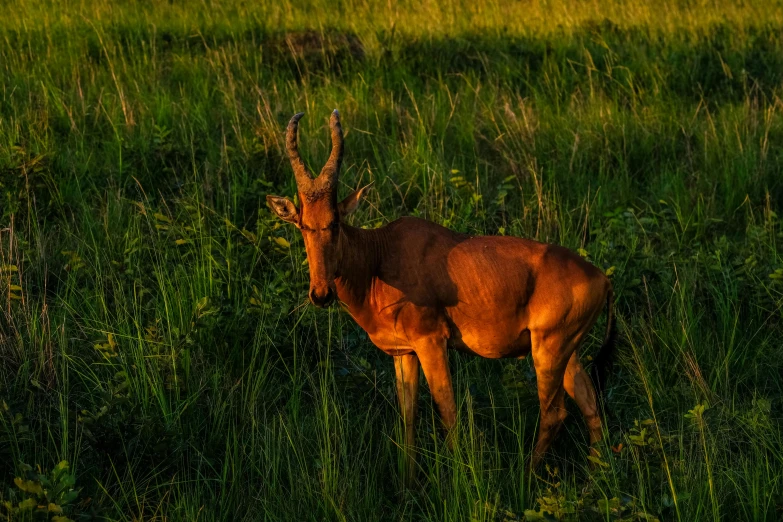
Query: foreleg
406, 368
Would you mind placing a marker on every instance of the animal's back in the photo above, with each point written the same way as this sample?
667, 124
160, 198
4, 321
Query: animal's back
486, 284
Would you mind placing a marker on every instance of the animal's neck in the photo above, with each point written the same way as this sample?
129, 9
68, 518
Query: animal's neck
361, 252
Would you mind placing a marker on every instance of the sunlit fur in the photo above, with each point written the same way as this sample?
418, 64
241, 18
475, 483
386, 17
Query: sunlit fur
418, 289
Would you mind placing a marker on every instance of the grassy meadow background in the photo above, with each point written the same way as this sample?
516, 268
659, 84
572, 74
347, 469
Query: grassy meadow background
158, 360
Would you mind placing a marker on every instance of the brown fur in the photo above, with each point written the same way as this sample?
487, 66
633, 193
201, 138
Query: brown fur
419, 289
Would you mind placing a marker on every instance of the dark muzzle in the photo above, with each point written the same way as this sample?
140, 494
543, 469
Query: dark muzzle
321, 299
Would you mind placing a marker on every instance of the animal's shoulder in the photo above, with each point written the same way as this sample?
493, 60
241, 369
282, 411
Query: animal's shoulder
409, 225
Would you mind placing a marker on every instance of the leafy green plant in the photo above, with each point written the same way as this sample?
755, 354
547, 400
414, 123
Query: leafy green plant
44, 496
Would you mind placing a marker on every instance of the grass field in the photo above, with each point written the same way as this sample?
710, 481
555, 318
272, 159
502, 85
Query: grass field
154, 331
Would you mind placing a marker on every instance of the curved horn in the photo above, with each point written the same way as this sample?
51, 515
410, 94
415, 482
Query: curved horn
332, 168
302, 174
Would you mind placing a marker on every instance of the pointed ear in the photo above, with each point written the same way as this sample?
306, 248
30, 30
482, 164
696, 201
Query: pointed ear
351, 203
284, 208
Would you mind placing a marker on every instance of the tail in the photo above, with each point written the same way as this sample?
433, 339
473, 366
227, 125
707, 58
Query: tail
602, 362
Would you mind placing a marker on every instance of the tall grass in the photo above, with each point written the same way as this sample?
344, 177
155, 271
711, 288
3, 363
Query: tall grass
154, 330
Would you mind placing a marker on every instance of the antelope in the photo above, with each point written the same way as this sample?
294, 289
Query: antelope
419, 289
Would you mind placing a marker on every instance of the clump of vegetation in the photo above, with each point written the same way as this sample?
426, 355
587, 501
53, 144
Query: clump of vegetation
154, 331
42, 496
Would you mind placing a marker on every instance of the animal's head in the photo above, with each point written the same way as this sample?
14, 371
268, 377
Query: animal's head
319, 214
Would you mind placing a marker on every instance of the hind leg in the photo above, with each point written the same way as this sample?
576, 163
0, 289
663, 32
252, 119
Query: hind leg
580, 388
550, 356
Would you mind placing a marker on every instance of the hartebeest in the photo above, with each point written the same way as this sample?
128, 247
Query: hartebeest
418, 289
